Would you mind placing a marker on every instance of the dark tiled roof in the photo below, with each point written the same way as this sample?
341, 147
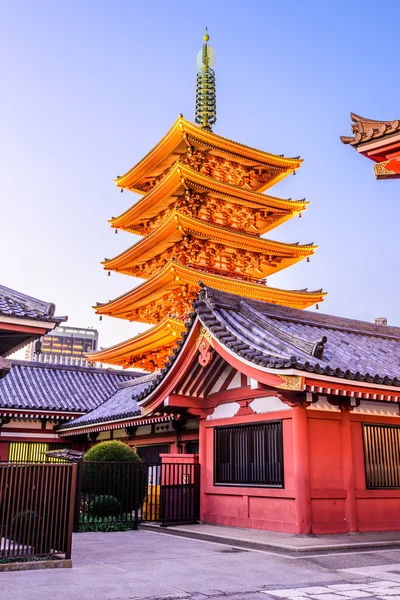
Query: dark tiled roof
122, 404
365, 130
276, 337
17, 305
281, 337
36, 386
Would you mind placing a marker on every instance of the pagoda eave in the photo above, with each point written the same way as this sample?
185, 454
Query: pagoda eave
174, 276
179, 226
181, 178
131, 352
184, 133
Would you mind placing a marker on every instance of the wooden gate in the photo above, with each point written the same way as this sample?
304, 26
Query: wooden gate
36, 509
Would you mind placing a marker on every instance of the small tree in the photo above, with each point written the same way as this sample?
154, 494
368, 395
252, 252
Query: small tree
115, 479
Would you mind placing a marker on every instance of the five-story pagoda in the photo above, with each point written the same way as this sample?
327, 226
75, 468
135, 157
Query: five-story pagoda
201, 215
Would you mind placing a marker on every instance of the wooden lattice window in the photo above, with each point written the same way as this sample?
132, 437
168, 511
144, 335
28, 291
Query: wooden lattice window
33, 452
382, 456
249, 455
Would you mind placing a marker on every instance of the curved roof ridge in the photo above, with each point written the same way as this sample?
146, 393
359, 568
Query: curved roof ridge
306, 346
20, 305
313, 318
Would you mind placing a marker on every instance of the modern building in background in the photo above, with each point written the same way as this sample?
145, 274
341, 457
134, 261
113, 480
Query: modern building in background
65, 346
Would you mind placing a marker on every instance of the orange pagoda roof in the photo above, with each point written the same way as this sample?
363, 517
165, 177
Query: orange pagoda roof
140, 349
272, 211
182, 134
174, 277
201, 215
273, 256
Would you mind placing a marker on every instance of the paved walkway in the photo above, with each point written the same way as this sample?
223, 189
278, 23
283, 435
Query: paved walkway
144, 565
253, 538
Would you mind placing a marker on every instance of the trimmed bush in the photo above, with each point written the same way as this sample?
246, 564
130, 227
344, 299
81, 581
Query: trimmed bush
112, 451
114, 479
105, 506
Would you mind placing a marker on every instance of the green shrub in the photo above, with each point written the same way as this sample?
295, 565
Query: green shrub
105, 506
106, 525
113, 451
122, 481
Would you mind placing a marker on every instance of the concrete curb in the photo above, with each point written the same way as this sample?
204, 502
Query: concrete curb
37, 565
278, 546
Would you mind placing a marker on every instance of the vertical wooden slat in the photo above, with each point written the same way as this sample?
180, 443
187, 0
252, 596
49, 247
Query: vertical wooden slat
381, 456
15, 502
70, 514
249, 454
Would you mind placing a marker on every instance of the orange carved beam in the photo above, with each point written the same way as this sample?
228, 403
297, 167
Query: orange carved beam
389, 169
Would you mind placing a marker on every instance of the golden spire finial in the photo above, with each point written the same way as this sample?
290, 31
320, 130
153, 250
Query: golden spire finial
206, 106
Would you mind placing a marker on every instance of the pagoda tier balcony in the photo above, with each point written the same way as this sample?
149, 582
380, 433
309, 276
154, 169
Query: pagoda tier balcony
170, 293
224, 157
196, 243
148, 350
200, 196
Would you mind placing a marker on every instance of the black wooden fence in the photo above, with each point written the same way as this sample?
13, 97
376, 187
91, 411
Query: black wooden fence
36, 509
41, 503
123, 492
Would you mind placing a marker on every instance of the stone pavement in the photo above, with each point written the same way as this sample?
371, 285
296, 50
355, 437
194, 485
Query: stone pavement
254, 538
152, 566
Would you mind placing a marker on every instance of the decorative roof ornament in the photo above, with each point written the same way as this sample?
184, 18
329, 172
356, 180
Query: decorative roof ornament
206, 102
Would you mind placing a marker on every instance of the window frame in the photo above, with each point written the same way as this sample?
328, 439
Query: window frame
279, 451
379, 453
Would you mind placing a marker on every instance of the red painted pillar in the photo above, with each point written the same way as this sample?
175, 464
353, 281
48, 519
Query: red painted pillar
348, 470
301, 465
203, 467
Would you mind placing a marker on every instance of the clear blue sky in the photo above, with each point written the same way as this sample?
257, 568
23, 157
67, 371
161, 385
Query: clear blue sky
88, 87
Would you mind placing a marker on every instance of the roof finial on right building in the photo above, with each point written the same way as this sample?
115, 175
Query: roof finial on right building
206, 104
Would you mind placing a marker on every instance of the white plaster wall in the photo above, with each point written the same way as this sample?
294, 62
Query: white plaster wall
24, 424
217, 386
144, 430
224, 411
267, 404
236, 382
323, 404
384, 409
119, 433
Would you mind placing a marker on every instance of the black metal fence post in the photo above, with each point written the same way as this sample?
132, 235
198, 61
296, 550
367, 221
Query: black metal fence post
138, 484
78, 494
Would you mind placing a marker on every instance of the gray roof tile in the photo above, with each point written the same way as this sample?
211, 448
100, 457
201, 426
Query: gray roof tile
276, 337
17, 305
38, 386
279, 336
121, 404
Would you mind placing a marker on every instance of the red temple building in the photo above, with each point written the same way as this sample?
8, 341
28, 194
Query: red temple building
379, 141
295, 416
292, 415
